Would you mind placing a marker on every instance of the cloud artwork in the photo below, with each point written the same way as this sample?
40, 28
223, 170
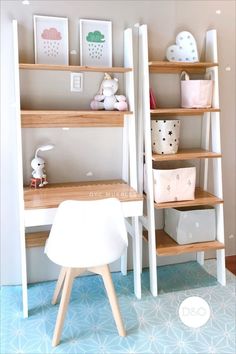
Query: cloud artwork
95, 44
51, 42
51, 34
96, 37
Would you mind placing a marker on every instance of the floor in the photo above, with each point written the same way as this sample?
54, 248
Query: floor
231, 264
153, 324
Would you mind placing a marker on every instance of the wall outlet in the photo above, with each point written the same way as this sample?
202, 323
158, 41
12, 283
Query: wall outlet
76, 82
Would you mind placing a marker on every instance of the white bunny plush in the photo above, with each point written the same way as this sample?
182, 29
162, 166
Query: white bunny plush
38, 173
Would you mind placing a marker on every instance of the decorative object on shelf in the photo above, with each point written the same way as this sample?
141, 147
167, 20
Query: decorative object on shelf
38, 164
195, 93
106, 98
190, 225
185, 49
153, 102
51, 40
173, 185
95, 43
165, 136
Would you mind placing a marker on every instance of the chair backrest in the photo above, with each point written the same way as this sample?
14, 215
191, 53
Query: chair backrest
87, 233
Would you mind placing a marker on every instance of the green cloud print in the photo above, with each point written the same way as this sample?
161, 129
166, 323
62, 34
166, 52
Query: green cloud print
95, 36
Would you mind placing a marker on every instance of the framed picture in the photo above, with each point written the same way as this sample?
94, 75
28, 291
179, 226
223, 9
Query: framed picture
95, 43
51, 40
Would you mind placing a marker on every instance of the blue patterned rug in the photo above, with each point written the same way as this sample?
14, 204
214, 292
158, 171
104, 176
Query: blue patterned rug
153, 324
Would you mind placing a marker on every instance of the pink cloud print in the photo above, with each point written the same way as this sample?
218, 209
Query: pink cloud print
51, 42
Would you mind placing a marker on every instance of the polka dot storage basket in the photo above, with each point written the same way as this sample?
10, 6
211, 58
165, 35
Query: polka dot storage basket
165, 136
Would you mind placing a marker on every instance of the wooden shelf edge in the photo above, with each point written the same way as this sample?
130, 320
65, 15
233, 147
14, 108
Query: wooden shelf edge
166, 246
88, 112
75, 68
156, 66
36, 239
186, 154
70, 119
201, 198
181, 111
53, 194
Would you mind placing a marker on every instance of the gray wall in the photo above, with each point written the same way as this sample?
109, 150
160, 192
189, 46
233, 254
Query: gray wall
71, 160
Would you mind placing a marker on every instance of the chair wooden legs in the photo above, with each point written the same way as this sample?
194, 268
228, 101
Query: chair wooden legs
69, 277
59, 285
106, 276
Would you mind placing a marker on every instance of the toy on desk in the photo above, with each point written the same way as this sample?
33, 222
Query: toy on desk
107, 98
39, 178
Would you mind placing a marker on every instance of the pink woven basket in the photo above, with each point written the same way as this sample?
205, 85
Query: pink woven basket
195, 93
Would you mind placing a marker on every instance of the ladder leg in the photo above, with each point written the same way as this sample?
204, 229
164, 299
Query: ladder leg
141, 246
220, 258
123, 262
152, 264
200, 258
24, 275
136, 257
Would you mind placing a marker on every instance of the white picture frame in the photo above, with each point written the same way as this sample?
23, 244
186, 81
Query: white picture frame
51, 40
95, 43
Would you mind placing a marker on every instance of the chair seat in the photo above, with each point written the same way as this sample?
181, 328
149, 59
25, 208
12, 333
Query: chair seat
87, 233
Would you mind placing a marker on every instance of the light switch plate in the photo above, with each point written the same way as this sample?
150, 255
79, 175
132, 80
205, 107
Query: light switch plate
76, 82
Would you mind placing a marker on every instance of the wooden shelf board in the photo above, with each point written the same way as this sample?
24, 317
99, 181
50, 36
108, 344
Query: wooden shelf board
181, 111
36, 239
186, 154
52, 195
176, 67
166, 246
75, 68
201, 198
57, 119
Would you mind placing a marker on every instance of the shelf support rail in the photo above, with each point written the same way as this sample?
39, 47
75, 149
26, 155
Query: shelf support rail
130, 170
20, 169
212, 55
204, 164
144, 82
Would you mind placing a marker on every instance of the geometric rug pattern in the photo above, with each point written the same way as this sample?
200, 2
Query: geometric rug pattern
153, 324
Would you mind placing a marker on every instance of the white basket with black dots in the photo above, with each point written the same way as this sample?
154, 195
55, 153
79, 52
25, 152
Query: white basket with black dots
165, 136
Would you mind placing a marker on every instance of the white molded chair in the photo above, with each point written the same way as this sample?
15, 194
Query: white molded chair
86, 235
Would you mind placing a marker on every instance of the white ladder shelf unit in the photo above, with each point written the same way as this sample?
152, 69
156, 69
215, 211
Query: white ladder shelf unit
38, 207
159, 243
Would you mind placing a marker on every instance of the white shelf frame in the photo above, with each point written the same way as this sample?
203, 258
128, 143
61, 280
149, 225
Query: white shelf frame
144, 140
132, 209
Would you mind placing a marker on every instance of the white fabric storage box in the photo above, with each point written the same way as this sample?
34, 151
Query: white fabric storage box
196, 93
193, 225
174, 185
